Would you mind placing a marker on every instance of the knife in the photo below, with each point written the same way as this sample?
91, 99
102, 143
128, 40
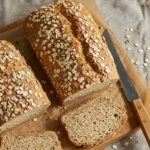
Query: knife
129, 90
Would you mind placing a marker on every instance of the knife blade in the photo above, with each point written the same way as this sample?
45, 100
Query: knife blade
129, 89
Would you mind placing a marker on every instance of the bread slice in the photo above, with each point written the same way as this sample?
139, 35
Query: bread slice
47, 140
93, 122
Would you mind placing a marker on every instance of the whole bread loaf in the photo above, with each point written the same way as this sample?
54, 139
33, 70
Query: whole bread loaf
46, 140
94, 122
71, 49
21, 95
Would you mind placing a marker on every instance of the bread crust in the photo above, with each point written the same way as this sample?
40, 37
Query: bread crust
70, 48
20, 91
90, 144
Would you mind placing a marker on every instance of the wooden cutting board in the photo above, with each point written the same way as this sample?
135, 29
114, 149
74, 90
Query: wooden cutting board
51, 119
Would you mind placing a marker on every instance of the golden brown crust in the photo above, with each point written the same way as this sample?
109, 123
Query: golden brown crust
90, 144
20, 91
70, 48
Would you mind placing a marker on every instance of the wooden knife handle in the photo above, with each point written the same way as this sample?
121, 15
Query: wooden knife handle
143, 117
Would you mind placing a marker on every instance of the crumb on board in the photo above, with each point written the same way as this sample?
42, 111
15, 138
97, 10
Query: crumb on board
35, 119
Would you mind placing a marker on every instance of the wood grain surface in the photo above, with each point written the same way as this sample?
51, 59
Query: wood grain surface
51, 119
143, 118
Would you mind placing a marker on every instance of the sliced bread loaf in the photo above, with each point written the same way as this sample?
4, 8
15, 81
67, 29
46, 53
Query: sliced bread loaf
21, 95
93, 122
47, 140
71, 49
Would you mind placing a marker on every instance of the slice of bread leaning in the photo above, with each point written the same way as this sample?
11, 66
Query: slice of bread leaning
46, 140
93, 122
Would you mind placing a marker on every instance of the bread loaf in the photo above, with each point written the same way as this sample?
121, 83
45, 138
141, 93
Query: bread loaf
71, 49
47, 140
93, 122
21, 95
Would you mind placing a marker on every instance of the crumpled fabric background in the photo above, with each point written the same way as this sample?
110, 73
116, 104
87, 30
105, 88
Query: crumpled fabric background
120, 15
123, 14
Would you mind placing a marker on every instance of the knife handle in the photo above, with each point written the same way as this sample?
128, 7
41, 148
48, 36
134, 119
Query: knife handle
143, 117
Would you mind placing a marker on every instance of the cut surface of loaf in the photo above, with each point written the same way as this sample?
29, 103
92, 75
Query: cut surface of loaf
21, 95
93, 122
71, 49
47, 140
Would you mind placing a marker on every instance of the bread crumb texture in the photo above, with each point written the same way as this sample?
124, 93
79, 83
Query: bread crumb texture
47, 140
93, 122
